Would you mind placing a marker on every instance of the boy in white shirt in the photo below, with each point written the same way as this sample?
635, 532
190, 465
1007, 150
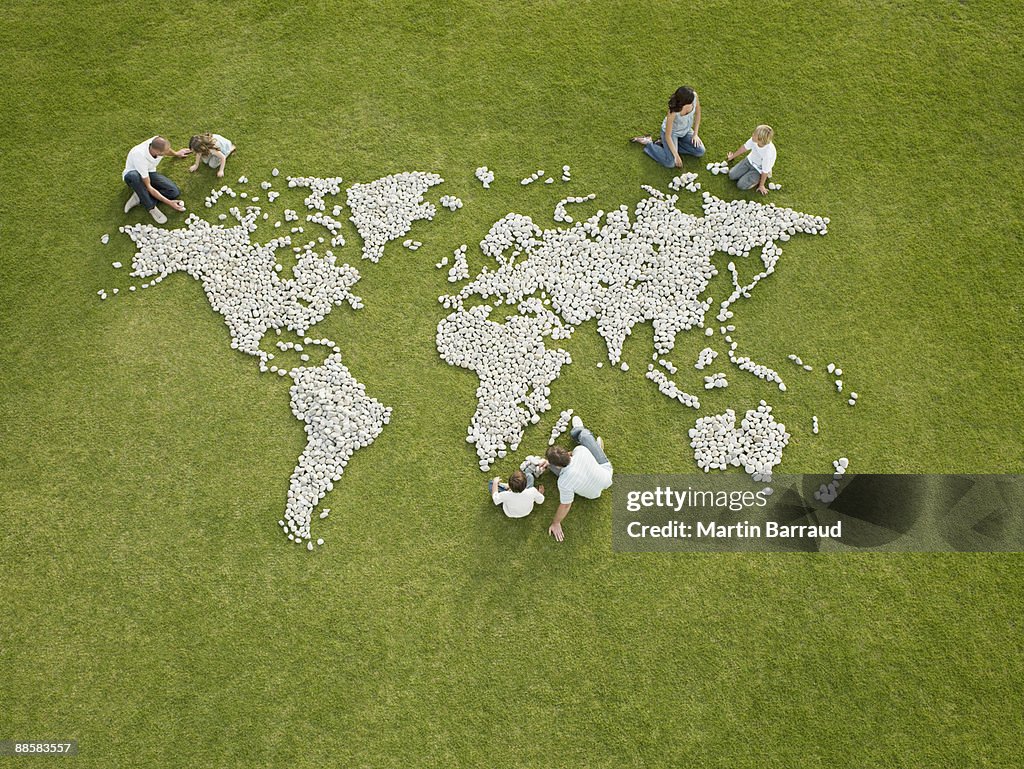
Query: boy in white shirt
518, 498
754, 170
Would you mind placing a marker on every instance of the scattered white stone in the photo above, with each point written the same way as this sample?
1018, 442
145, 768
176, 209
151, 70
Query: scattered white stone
774, 186
670, 389
451, 202
704, 358
715, 380
105, 238
814, 425
532, 178
686, 181
720, 167
485, 175
275, 172
116, 265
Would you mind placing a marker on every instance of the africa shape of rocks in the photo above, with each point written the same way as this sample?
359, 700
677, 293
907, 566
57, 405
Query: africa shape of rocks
514, 367
756, 445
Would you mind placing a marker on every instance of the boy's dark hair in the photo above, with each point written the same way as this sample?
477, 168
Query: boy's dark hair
517, 481
557, 456
684, 95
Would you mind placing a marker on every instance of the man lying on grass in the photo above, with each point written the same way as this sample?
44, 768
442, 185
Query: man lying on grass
586, 471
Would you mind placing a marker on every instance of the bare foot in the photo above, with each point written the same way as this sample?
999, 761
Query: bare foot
642, 140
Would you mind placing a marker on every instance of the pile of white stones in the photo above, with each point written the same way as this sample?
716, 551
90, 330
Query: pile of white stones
704, 358
719, 167
532, 465
828, 493
532, 178
566, 173
485, 175
685, 181
340, 419
460, 267
450, 202
384, 210
515, 370
560, 426
670, 389
715, 380
560, 214
756, 446
412, 245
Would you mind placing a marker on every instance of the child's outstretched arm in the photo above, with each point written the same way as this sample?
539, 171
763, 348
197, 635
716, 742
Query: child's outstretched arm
762, 184
195, 166
738, 151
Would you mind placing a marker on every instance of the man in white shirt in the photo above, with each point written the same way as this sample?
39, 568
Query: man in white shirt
149, 187
586, 471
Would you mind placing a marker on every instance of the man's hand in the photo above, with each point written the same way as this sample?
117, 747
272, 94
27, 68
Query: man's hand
696, 140
177, 205
555, 530
730, 156
542, 465
762, 189
182, 152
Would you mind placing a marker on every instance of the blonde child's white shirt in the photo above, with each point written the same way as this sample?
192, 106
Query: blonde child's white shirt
518, 504
761, 158
140, 160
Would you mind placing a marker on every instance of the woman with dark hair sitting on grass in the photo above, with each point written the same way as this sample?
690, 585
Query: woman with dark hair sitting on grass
678, 130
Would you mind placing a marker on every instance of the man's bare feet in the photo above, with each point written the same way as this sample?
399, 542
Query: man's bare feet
642, 140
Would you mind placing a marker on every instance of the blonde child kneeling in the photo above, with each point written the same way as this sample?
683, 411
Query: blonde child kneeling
755, 169
212, 149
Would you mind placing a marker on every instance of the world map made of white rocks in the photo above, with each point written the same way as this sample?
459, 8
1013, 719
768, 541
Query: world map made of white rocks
648, 268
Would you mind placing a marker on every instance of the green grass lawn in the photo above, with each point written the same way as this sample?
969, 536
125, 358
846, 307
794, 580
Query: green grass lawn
149, 606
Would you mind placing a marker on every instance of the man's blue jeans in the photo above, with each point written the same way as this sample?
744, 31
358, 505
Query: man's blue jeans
584, 437
160, 183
